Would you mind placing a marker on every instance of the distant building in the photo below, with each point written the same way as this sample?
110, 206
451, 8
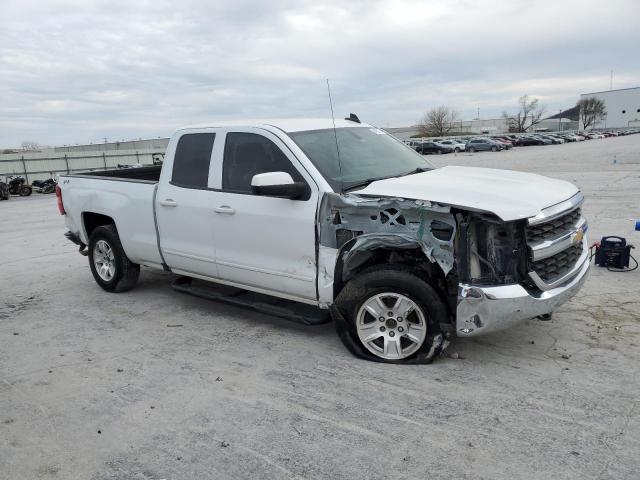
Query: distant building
560, 122
623, 107
490, 126
159, 144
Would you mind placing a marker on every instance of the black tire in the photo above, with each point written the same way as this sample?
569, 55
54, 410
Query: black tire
471, 149
4, 191
25, 191
126, 272
439, 152
457, 150
494, 149
381, 279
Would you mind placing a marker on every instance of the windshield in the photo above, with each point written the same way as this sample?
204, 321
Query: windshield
366, 154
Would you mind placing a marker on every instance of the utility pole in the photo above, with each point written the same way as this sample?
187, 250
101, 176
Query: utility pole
560, 120
611, 82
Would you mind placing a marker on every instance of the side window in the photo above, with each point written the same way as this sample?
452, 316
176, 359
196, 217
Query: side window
192, 159
246, 155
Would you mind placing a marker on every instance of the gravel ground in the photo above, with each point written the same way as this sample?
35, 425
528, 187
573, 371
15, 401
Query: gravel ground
152, 384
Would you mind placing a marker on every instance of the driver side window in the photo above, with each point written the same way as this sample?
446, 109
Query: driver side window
248, 154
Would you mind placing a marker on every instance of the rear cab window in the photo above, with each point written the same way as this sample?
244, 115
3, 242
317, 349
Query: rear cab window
192, 160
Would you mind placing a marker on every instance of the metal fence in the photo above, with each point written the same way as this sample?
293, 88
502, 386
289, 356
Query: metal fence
35, 166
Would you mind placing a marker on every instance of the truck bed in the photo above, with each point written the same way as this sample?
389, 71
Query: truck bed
127, 198
147, 174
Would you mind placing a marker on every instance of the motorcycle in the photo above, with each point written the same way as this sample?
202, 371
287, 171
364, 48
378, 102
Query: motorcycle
45, 186
4, 191
19, 186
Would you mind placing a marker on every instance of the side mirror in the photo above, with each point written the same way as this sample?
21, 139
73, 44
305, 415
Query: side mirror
277, 184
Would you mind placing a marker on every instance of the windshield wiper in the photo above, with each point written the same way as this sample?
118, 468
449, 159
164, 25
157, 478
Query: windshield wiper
417, 170
362, 183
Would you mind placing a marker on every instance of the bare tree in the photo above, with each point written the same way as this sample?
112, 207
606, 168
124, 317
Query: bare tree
529, 114
30, 145
438, 121
592, 111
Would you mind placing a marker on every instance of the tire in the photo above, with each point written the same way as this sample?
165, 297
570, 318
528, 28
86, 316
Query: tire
439, 152
457, 150
471, 149
25, 191
105, 248
414, 339
494, 149
4, 191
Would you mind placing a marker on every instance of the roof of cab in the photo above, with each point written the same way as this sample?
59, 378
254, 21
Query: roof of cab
285, 124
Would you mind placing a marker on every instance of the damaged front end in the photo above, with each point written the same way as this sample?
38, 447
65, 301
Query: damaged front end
357, 232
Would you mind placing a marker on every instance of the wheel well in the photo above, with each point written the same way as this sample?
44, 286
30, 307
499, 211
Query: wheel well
411, 259
93, 220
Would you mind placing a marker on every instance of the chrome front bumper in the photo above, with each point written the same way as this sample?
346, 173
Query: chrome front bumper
487, 309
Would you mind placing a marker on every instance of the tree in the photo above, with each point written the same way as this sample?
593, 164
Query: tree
438, 121
529, 114
30, 145
592, 111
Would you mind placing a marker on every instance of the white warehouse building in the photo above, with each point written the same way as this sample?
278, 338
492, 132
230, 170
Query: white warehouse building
623, 107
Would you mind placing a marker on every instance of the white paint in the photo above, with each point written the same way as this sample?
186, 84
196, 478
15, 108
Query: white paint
508, 194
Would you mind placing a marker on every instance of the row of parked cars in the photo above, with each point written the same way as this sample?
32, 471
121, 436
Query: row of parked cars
507, 141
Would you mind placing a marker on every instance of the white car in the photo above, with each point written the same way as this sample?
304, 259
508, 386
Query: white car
457, 145
402, 254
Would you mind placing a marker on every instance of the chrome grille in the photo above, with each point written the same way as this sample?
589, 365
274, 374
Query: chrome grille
553, 228
549, 269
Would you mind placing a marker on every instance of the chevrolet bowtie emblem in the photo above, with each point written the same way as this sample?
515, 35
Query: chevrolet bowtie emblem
579, 236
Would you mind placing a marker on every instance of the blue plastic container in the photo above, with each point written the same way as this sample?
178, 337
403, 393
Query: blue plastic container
638, 225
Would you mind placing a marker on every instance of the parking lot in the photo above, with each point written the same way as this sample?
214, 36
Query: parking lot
153, 384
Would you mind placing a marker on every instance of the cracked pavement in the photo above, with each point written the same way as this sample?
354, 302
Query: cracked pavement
152, 384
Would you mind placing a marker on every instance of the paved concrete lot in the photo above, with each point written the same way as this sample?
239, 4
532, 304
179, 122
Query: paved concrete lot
152, 384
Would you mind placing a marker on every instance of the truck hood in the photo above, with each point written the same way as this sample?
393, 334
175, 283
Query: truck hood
508, 194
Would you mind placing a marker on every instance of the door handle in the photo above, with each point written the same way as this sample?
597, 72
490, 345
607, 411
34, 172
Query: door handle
168, 202
224, 209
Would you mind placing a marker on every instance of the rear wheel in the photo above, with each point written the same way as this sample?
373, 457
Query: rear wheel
471, 149
391, 315
494, 149
25, 191
110, 266
439, 152
457, 149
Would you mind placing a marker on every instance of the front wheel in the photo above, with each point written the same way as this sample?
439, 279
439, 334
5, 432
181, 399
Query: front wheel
471, 149
25, 191
391, 315
439, 152
494, 149
110, 266
457, 150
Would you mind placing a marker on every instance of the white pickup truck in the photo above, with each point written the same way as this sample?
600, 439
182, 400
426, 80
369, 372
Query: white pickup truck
349, 219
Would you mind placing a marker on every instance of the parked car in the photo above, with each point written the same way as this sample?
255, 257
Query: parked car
528, 141
426, 148
483, 144
553, 139
398, 251
545, 141
508, 145
457, 145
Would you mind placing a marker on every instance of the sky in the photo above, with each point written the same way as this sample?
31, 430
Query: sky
80, 71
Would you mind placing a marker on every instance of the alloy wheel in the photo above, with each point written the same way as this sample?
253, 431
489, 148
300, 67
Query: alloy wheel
391, 325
